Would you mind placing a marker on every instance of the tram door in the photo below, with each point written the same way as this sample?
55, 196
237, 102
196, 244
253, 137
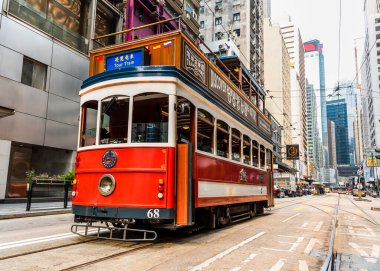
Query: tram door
184, 161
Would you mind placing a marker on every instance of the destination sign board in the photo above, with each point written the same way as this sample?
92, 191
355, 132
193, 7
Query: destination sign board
126, 59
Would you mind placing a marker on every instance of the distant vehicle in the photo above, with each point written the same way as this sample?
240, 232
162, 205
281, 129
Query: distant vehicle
279, 192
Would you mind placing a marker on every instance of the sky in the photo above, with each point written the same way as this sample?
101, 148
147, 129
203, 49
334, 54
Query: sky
319, 19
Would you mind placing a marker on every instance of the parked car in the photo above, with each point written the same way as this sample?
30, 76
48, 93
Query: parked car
279, 192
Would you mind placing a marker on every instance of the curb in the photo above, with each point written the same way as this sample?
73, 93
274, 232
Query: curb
35, 213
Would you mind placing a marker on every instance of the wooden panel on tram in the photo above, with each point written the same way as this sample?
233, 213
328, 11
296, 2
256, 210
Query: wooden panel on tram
184, 189
162, 53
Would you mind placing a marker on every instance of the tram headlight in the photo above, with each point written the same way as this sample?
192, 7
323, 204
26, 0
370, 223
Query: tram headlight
106, 185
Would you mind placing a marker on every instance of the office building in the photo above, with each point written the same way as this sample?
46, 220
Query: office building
315, 74
240, 21
337, 112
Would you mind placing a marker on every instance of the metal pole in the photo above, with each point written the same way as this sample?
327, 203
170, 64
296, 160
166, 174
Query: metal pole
29, 200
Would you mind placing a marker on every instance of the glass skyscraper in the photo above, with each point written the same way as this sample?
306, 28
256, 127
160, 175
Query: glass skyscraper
315, 74
337, 112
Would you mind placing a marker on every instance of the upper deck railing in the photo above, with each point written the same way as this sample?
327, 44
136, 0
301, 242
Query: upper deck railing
173, 45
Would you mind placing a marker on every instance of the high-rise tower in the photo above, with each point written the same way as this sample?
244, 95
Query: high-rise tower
315, 73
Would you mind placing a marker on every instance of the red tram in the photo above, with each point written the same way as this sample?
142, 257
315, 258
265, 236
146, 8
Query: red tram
168, 139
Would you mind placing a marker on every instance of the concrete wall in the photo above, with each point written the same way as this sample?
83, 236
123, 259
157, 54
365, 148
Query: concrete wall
43, 117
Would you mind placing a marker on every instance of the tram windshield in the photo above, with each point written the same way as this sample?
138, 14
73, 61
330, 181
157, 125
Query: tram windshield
150, 118
114, 120
150, 114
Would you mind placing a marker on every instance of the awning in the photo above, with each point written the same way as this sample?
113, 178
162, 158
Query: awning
5, 112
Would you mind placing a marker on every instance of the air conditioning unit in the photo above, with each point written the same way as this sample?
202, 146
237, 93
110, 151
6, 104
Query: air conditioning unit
195, 16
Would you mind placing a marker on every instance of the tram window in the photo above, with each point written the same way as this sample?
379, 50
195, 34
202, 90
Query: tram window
269, 159
246, 150
236, 145
184, 120
150, 118
88, 123
114, 120
255, 153
205, 131
262, 156
222, 139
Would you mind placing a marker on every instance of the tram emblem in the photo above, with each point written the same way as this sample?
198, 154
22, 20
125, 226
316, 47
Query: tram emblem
109, 159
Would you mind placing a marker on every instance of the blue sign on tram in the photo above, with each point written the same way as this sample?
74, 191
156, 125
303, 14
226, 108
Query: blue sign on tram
126, 59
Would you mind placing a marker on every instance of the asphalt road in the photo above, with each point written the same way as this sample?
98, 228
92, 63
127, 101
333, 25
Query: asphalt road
294, 235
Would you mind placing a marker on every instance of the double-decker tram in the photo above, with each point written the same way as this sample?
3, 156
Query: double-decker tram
169, 139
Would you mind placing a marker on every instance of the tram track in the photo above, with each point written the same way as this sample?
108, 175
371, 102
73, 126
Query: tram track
44, 250
135, 247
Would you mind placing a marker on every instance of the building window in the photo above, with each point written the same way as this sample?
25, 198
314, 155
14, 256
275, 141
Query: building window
236, 17
237, 32
33, 73
218, 21
202, 24
65, 20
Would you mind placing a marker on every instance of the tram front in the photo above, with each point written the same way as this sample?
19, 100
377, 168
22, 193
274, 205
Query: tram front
125, 161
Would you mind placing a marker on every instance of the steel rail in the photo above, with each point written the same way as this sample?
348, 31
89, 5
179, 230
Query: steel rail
329, 261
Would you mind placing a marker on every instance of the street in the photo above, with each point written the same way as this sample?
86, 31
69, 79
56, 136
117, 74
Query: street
294, 235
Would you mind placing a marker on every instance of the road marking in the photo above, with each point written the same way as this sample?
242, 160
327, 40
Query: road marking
292, 248
302, 266
351, 229
297, 214
250, 258
311, 244
304, 225
318, 227
278, 266
247, 260
370, 231
226, 252
364, 254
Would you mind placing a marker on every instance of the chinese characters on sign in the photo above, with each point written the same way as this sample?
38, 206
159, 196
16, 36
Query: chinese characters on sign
125, 60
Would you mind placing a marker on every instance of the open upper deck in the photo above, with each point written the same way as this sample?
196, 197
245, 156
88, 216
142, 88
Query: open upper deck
226, 79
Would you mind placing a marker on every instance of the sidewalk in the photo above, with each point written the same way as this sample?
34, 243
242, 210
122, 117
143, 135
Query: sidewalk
18, 210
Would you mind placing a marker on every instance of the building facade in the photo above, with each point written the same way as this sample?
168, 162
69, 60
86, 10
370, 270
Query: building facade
277, 81
294, 45
337, 112
240, 21
332, 143
370, 73
315, 73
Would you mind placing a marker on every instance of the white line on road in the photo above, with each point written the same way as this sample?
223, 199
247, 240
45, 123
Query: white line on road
319, 226
302, 266
38, 240
250, 258
311, 244
304, 225
278, 266
297, 214
226, 252
362, 253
